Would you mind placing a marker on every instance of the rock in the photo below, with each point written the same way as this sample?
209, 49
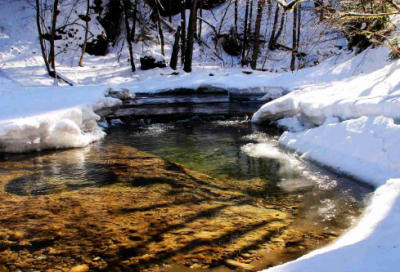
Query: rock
122, 94
239, 265
213, 88
80, 268
256, 93
231, 44
98, 46
151, 60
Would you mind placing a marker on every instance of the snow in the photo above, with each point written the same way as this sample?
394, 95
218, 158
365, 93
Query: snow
366, 85
345, 118
153, 55
34, 119
366, 148
372, 245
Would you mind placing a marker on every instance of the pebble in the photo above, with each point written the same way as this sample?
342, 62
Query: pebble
80, 268
236, 264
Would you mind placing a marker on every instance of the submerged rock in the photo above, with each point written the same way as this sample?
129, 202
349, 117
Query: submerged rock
80, 268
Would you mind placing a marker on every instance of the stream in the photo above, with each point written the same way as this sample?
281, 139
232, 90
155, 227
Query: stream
206, 193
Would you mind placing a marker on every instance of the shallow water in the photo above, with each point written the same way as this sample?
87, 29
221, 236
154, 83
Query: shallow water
242, 151
236, 154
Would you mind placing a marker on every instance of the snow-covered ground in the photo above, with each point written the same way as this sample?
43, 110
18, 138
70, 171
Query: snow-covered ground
343, 114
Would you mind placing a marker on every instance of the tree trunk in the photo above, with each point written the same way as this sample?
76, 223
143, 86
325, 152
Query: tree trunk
160, 32
245, 32
274, 27
298, 24
274, 42
201, 16
170, 10
236, 15
257, 34
86, 33
190, 39
251, 16
134, 21
183, 22
52, 58
175, 51
128, 34
39, 28
298, 31
294, 51
195, 21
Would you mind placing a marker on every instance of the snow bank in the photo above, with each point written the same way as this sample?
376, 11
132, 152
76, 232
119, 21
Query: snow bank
367, 148
366, 85
355, 104
34, 119
373, 245
76, 127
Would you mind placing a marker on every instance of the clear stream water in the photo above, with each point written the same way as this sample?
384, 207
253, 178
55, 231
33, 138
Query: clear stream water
227, 148
244, 151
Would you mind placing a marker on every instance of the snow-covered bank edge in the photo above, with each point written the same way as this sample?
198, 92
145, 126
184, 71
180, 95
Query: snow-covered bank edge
365, 148
45, 128
344, 115
35, 119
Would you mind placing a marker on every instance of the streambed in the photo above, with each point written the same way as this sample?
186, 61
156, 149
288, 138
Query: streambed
207, 195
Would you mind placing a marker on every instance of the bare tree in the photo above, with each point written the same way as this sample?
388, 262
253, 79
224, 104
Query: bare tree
135, 11
41, 40
251, 16
170, 10
201, 16
245, 33
257, 34
183, 25
190, 38
128, 34
160, 31
236, 15
175, 50
294, 38
52, 57
87, 19
274, 27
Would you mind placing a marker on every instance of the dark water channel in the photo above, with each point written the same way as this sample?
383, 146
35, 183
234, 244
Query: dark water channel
227, 149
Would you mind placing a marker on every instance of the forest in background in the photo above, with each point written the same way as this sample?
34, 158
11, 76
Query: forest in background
297, 34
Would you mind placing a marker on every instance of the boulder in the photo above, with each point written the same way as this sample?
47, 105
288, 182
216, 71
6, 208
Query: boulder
151, 60
98, 46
